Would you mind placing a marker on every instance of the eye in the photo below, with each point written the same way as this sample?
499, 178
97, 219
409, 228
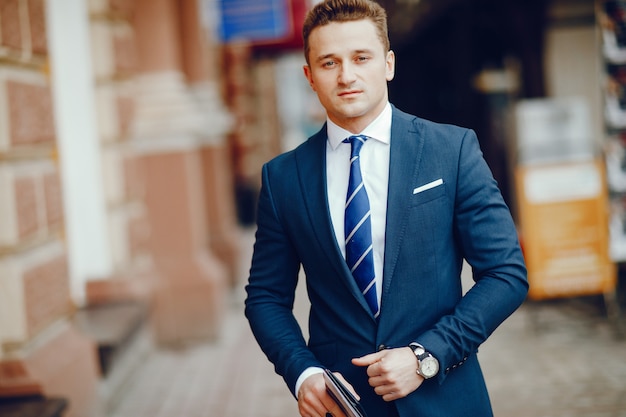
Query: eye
328, 64
362, 58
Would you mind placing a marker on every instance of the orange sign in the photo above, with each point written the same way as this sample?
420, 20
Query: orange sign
563, 217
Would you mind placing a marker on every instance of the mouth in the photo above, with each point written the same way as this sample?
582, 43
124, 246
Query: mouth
349, 93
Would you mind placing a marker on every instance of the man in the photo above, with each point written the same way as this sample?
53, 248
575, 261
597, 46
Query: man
406, 343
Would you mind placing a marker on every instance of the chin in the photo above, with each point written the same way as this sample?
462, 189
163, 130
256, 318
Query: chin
353, 111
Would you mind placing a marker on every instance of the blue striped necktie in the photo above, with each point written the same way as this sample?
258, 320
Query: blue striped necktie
358, 228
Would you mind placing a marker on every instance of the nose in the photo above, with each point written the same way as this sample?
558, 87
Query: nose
347, 75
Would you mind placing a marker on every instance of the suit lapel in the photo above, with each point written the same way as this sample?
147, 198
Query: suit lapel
407, 144
311, 163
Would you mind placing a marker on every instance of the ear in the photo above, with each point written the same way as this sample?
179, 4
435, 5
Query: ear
390, 64
308, 75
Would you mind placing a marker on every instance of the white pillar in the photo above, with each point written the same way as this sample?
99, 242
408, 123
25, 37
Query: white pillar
89, 251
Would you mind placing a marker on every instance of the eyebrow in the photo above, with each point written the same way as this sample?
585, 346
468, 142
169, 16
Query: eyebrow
323, 57
332, 55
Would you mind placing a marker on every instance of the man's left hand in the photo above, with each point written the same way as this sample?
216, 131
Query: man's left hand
392, 372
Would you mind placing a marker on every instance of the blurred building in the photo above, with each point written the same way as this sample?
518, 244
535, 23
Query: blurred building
132, 134
116, 187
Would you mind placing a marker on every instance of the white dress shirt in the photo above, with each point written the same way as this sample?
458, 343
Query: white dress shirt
374, 160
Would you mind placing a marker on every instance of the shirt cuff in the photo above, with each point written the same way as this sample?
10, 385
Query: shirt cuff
304, 375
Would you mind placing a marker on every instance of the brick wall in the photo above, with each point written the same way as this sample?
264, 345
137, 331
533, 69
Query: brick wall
115, 66
35, 287
34, 281
30, 203
23, 29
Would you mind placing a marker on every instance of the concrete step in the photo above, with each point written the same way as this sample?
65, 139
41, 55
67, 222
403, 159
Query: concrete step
123, 338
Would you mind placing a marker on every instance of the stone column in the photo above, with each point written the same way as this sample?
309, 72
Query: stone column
199, 57
170, 130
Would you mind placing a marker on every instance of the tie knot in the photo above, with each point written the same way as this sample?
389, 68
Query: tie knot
356, 142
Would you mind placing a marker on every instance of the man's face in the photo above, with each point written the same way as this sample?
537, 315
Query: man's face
349, 69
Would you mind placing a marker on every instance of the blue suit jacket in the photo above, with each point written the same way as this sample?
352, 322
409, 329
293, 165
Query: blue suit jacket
427, 236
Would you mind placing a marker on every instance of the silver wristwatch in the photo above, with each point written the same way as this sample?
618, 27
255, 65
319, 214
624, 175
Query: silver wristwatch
427, 364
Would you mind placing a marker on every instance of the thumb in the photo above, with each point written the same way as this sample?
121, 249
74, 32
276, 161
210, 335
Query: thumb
367, 360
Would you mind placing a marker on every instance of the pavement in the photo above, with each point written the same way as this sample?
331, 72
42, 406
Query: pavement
561, 358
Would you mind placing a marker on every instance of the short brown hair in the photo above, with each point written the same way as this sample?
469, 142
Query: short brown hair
329, 11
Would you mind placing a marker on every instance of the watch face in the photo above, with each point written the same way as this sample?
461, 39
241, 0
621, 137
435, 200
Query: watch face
429, 367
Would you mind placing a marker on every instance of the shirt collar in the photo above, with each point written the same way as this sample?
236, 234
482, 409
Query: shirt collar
379, 129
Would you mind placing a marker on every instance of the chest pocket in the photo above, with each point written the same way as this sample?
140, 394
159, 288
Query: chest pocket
428, 192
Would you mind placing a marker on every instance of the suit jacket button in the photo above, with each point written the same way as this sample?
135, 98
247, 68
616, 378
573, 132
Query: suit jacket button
381, 347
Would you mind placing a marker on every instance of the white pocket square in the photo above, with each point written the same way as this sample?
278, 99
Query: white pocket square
428, 186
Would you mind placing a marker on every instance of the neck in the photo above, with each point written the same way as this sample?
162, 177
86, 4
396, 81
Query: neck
356, 125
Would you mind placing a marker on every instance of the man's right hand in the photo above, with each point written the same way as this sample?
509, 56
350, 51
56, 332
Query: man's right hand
314, 400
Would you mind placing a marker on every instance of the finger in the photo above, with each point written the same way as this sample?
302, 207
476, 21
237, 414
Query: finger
328, 405
392, 396
314, 408
306, 410
390, 392
378, 381
367, 360
378, 369
335, 413
333, 409
311, 405
347, 385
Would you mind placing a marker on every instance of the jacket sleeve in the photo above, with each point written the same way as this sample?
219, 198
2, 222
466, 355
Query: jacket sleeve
485, 231
271, 292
